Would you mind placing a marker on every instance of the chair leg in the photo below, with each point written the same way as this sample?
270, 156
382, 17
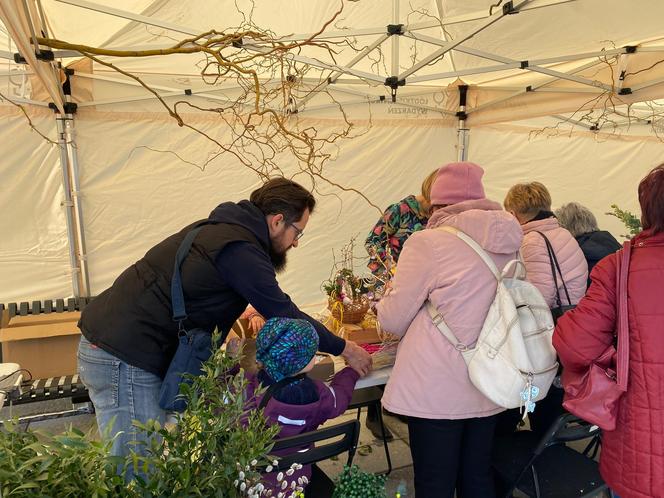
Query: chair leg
359, 410
536, 482
592, 448
382, 430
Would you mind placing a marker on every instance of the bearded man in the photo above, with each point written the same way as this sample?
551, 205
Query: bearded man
129, 336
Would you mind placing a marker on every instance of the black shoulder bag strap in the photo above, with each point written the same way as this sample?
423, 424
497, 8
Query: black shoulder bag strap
177, 295
276, 386
555, 266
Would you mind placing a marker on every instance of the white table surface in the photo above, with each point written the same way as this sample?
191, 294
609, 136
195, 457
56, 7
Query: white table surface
375, 377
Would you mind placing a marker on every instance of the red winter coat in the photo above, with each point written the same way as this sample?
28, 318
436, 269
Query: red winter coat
632, 457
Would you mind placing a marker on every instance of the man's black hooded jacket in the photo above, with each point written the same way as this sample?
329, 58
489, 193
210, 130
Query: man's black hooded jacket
227, 267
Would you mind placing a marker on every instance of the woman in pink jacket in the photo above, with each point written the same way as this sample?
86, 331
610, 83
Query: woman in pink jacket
450, 423
530, 203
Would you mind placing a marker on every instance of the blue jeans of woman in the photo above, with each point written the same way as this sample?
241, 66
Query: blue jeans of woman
120, 393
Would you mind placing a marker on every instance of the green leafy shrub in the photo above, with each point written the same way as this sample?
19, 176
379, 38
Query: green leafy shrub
355, 483
214, 450
216, 444
36, 464
631, 221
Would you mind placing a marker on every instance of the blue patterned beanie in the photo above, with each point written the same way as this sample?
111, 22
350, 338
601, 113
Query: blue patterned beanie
285, 346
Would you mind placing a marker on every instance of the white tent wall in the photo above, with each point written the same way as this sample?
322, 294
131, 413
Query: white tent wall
134, 195
34, 257
596, 170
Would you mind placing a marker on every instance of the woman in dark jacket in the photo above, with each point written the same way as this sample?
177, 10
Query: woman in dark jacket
632, 458
582, 224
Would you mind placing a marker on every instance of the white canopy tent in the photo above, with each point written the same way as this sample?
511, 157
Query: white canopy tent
560, 91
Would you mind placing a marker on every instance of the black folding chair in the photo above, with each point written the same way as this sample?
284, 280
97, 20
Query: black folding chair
371, 396
546, 467
321, 485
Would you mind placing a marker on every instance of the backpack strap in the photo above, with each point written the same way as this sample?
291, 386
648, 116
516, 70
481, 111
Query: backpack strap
435, 315
177, 295
553, 260
622, 319
277, 386
439, 322
475, 247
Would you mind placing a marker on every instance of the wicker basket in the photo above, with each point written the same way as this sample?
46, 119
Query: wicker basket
352, 313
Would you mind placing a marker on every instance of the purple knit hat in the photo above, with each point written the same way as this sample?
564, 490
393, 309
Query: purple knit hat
457, 182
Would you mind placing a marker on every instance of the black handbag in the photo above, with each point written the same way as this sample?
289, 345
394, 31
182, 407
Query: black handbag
560, 309
194, 346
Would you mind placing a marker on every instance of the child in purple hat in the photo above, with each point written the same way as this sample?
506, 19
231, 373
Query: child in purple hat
285, 351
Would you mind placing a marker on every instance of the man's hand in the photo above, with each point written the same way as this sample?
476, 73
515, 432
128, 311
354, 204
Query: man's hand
256, 323
357, 358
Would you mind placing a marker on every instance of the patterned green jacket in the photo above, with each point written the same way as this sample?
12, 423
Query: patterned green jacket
396, 224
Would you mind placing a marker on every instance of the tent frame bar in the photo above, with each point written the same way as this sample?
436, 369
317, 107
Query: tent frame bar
171, 92
499, 14
470, 17
475, 16
335, 76
322, 65
536, 62
576, 122
540, 89
507, 64
395, 39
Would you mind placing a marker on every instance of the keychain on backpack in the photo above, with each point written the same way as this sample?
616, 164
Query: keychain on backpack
529, 393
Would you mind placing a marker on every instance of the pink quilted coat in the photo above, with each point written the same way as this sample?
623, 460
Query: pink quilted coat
570, 257
430, 379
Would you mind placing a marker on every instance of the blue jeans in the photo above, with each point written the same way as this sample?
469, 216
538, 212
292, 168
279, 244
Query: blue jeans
120, 393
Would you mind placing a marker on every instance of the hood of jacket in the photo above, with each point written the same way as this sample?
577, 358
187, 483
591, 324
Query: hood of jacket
245, 214
485, 221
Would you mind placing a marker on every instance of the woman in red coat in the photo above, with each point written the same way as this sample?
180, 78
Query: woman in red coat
632, 457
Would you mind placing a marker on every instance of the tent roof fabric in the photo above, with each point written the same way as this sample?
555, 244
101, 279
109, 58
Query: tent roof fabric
521, 58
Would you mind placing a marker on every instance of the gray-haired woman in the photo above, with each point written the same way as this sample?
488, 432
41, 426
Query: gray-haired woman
582, 224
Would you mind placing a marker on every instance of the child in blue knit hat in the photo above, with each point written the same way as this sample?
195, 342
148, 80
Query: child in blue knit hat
285, 351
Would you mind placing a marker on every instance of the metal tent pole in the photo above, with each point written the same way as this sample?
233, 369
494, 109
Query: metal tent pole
72, 156
72, 201
463, 132
395, 39
68, 205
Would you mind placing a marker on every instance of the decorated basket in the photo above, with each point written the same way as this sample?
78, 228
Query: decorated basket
349, 313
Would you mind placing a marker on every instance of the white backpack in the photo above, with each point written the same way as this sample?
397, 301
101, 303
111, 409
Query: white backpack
513, 362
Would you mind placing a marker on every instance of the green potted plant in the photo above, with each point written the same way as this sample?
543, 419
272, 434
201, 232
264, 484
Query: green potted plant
355, 483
